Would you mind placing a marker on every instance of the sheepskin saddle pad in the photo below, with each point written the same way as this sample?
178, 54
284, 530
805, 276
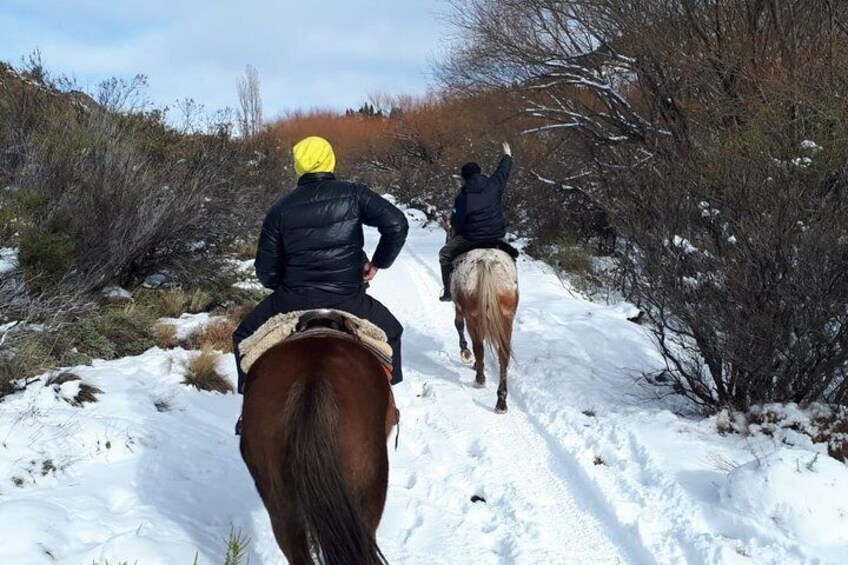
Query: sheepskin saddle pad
314, 323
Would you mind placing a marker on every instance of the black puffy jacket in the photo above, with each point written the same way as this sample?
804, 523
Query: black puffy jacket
313, 236
477, 212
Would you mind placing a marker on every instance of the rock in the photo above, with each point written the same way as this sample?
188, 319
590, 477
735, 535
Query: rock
155, 281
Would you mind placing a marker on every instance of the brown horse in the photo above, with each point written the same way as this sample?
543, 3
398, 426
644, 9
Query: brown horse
484, 287
317, 413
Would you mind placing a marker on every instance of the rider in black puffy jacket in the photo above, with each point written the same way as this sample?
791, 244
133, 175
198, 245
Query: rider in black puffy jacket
311, 249
312, 238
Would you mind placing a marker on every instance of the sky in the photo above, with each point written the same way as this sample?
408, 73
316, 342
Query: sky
309, 54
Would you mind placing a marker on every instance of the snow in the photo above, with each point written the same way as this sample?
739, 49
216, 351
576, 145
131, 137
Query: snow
116, 292
767, 489
810, 145
8, 260
188, 324
682, 243
588, 466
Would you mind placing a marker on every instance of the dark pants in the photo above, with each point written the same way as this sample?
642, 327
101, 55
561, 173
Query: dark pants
359, 304
447, 255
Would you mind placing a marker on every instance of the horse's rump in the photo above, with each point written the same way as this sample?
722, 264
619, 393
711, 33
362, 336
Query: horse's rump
314, 439
484, 288
501, 267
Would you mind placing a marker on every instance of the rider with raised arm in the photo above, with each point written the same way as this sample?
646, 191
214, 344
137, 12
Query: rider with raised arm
477, 215
311, 249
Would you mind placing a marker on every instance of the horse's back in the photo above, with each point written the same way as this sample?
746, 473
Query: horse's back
356, 377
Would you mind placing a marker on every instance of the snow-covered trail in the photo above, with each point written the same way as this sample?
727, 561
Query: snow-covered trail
453, 447
585, 467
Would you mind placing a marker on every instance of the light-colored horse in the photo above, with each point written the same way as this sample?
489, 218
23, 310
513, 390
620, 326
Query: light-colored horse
484, 288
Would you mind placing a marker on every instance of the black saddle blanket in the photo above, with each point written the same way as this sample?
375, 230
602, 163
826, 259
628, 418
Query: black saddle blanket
492, 244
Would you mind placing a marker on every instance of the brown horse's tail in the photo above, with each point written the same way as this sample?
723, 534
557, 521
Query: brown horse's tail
493, 326
331, 517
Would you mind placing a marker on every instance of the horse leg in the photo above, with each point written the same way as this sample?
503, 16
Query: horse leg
291, 537
503, 362
479, 353
372, 499
459, 322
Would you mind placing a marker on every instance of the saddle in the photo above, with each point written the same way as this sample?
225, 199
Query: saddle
323, 323
489, 244
294, 326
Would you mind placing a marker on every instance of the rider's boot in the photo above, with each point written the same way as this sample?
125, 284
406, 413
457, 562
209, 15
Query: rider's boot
446, 275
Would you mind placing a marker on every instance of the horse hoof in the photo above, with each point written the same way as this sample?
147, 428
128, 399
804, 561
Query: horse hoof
466, 357
478, 384
499, 410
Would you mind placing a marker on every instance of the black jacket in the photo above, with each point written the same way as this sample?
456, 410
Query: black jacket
313, 236
477, 212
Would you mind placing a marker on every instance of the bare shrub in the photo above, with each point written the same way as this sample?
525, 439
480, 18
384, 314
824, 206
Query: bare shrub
250, 102
713, 136
112, 207
201, 372
105, 191
818, 423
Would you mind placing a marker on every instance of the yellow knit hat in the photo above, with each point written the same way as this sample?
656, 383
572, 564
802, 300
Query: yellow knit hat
313, 155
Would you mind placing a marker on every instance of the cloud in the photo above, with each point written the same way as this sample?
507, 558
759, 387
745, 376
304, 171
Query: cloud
318, 54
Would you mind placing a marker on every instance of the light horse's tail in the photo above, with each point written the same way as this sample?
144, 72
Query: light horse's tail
497, 297
313, 470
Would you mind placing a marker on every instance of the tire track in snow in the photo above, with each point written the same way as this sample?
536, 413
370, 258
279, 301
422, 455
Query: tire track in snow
571, 534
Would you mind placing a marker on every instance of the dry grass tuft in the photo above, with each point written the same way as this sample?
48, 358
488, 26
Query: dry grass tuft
239, 312
30, 358
173, 302
200, 301
202, 373
243, 249
217, 335
128, 329
165, 336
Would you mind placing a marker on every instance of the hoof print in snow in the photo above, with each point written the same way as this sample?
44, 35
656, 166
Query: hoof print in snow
589, 413
598, 460
476, 499
162, 405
